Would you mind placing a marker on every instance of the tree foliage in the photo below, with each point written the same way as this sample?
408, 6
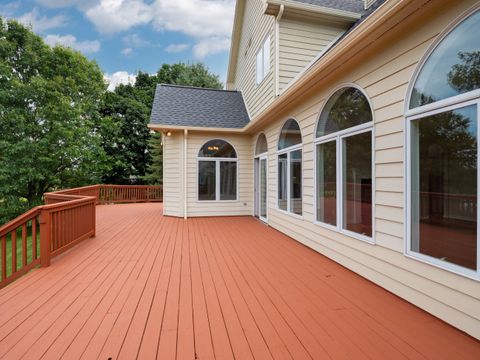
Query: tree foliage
49, 102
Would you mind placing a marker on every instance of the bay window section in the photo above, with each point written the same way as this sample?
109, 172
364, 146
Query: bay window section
228, 180
444, 186
344, 166
289, 166
296, 182
282, 182
442, 153
327, 182
357, 183
217, 171
206, 180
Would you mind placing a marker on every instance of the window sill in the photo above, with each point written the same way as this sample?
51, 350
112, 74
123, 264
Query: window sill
300, 217
443, 265
354, 235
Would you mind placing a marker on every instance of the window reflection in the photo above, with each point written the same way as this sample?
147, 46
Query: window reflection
444, 186
453, 68
357, 183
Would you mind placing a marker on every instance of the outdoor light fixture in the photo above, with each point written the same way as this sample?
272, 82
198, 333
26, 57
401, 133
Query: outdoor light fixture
169, 133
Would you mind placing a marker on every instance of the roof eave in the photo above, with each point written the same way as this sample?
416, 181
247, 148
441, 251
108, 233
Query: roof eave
167, 127
235, 42
273, 6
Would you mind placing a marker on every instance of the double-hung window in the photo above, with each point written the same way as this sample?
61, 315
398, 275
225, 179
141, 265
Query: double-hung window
343, 151
290, 168
442, 153
263, 61
217, 171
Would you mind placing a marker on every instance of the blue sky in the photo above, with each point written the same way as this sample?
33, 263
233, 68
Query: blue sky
125, 36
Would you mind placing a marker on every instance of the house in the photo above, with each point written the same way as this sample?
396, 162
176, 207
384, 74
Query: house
352, 127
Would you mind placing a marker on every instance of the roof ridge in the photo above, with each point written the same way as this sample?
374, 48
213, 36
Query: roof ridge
196, 87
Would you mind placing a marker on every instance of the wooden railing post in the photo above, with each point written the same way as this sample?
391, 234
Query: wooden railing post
45, 238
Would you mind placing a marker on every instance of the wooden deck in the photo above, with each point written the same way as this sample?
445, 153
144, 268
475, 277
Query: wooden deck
217, 288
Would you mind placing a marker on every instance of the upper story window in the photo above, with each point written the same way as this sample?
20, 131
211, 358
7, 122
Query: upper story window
290, 168
263, 60
217, 171
261, 147
442, 153
344, 151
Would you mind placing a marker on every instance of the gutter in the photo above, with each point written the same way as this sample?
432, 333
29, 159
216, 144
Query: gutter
273, 5
277, 50
185, 169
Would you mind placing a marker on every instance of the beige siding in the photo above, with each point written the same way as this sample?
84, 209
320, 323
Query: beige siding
255, 29
173, 174
384, 75
300, 42
244, 204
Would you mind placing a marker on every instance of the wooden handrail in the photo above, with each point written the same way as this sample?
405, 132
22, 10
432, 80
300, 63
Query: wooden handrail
67, 218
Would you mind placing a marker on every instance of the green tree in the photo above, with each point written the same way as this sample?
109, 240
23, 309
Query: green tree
49, 102
134, 151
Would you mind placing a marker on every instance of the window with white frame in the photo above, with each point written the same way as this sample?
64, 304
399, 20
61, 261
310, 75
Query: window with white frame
217, 171
343, 150
290, 168
263, 60
442, 152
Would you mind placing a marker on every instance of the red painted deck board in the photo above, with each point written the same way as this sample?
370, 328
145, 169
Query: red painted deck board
154, 287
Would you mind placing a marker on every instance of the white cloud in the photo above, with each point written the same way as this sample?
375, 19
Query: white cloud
87, 46
113, 16
176, 48
209, 46
197, 18
119, 77
208, 21
127, 51
41, 23
134, 40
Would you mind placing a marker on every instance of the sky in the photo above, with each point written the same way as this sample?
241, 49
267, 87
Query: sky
127, 36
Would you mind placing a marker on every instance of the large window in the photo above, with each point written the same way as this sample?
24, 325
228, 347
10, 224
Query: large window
290, 168
217, 171
442, 152
263, 60
343, 153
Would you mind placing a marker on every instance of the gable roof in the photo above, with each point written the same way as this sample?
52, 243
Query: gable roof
188, 106
356, 6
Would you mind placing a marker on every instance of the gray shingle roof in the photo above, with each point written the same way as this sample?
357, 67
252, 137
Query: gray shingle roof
355, 6
198, 107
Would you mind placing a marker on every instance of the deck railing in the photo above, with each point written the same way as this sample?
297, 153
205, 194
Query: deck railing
67, 218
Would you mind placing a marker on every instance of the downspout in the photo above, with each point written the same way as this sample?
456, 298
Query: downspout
277, 49
185, 178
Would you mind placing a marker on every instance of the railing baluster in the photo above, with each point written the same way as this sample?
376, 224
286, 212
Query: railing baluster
24, 244
13, 237
4, 257
34, 238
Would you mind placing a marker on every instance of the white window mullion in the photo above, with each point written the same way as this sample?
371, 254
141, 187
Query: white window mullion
339, 183
478, 191
217, 180
288, 182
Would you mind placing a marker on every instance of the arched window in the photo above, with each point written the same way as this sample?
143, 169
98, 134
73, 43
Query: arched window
344, 168
217, 171
290, 135
442, 152
290, 168
261, 147
452, 68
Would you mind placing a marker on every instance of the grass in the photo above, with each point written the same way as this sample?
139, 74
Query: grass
20, 248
